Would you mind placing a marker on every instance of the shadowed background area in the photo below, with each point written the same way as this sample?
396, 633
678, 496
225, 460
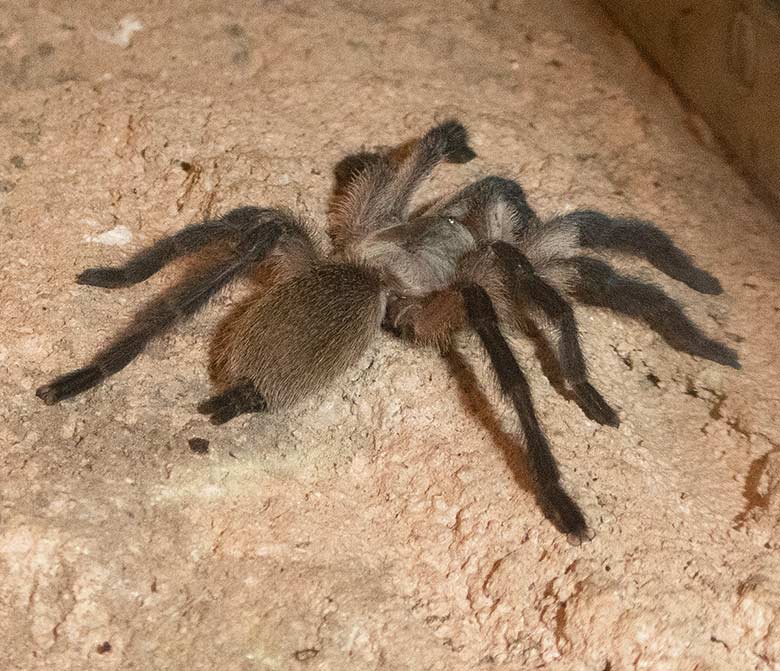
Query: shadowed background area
387, 522
724, 57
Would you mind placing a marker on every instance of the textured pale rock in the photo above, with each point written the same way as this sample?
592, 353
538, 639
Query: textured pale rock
388, 522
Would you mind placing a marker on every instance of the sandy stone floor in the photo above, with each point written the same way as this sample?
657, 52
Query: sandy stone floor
387, 523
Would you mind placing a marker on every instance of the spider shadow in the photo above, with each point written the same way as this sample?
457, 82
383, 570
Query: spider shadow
479, 406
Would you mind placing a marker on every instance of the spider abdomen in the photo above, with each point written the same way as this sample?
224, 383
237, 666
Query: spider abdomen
297, 337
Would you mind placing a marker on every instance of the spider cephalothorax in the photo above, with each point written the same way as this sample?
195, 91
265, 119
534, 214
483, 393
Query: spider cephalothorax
481, 259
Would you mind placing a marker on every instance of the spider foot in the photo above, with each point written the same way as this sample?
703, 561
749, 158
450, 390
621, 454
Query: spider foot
455, 139
560, 509
594, 406
219, 415
232, 403
106, 277
69, 384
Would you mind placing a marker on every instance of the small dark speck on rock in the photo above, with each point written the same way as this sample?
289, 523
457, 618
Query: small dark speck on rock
555, 63
17, 161
103, 648
199, 445
234, 30
653, 379
305, 654
45, 49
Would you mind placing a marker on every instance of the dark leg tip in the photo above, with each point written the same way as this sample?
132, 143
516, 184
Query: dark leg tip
219, 412
577, 538
461, 155
47, 394
206, 407
607, 418
222, 416
594, 406
233, 402
107, 278
70, 384
565, 515
456, 141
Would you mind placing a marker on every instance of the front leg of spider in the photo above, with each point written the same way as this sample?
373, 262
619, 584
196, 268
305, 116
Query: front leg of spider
496, 210
254, 232
557, 505
524, 281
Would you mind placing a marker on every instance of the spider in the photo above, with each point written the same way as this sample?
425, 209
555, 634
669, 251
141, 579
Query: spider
481, 259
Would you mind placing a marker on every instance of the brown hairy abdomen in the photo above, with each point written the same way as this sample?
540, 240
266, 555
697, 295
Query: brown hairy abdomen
298, 336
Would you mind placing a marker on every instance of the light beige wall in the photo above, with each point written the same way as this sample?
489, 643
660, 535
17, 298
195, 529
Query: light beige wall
724, 55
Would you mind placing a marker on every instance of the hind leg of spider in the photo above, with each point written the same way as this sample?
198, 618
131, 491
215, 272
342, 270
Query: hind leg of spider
236, 224
175, 304
556, 504
640, 238
600, 285
235, 401
526, 285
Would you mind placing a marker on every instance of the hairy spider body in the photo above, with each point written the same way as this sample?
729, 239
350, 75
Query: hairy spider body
481, 259
299, 335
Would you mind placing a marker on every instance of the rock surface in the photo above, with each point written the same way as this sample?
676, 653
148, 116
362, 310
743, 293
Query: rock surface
387, 523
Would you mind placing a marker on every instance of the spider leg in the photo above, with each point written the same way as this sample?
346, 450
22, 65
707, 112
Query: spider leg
241, 398
640, 238
557, 505
148, 261
373, 188
600, 285
351, 166
477, 205
428, 320
526, 284
179, 302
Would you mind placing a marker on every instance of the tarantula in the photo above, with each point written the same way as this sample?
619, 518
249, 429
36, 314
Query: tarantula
480, 259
